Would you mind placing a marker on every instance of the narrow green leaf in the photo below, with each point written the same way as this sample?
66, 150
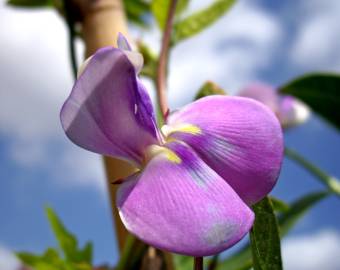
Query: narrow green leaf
279, 205
68, 242
320, 92
298, 209
209, 88
200, 20
242, 260
332, 183
31, 3
160, 10
265, 237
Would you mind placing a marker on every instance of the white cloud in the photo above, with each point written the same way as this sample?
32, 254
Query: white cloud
317, 42
313, 251
35, 80
8, 261
231, 53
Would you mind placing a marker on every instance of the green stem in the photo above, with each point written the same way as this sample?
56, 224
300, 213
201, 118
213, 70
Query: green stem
127, 251
330, 182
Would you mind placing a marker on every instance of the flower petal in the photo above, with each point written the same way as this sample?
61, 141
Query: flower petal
135, 58
108, 110
263, 93
239, 138
181, 205
122, 43
292, 112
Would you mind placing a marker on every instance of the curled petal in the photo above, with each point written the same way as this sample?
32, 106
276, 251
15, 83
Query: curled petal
135, 58
177, 203
108, 110
239, 138
122, 43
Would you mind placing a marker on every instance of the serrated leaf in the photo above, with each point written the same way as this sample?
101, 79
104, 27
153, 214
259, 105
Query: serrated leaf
67, 241
265, 237
320, 92
50, 260
242, 260
28, 258
160, 9
86, 252
200, 20
31, 3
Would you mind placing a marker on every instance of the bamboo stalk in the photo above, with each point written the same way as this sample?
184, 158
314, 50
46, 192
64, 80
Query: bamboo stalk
101, 21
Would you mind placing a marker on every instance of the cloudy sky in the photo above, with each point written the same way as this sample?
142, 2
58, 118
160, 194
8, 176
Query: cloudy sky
269, 41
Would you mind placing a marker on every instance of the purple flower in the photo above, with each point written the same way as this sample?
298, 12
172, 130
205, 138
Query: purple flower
197, 175
289, 110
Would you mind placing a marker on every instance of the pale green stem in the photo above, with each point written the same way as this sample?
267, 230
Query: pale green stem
331, 182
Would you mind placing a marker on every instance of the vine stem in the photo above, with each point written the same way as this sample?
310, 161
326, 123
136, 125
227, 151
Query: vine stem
198, 263
162, 62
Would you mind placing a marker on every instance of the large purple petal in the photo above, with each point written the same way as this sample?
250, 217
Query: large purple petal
108, 110
178, 203
239, 138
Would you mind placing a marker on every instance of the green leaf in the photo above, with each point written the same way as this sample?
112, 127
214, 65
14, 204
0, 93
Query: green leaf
209, 88
68, 242
150, 61
242, 260
320, 92
332, 183
200, 20
31, 3
298, 209
50, 260
160, 9
279, 205
137, 11
265, 237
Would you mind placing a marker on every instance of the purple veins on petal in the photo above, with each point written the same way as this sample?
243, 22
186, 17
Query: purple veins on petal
239, 138
183, 207
108, 110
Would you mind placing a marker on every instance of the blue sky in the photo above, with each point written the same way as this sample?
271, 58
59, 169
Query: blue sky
270, 41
